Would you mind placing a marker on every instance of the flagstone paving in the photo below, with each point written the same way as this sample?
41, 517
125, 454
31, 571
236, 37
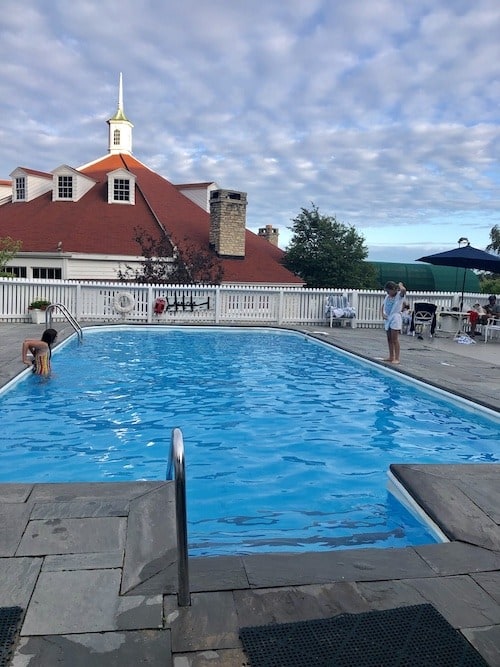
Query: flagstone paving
94, 566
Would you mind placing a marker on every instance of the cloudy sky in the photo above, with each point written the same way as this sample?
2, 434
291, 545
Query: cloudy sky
384, 114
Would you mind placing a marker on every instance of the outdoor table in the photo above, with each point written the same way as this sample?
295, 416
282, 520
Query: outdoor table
452, 321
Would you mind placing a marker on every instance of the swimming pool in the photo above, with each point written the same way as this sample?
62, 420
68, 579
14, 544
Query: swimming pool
288, 441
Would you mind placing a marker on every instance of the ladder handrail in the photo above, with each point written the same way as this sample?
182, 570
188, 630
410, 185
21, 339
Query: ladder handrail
71, 319
176, 470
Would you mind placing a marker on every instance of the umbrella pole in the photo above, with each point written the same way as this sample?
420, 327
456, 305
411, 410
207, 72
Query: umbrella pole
460, 331
463, 290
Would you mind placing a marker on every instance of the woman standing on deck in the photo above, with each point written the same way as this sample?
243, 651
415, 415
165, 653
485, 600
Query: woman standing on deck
391, 313
41, 351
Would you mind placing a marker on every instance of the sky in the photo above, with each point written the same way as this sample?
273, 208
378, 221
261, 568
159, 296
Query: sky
384, 115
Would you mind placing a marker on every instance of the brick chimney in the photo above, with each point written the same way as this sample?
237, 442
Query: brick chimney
270, 233
227, 222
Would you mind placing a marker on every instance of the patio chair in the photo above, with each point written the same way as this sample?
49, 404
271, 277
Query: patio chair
423, 319
337, 307
491, 328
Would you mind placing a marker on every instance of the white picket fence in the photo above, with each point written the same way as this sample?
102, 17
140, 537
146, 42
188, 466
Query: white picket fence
226, 304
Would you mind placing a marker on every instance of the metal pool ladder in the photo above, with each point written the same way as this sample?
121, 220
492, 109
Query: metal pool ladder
176, 470
71, 319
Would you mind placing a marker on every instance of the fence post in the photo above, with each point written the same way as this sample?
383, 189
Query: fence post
149, 304
355, 305
78, 301
217, 298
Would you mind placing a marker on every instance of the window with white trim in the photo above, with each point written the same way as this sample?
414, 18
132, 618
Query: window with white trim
15, 271
116, 137
20, 188
121, 189
47, 272
65, 187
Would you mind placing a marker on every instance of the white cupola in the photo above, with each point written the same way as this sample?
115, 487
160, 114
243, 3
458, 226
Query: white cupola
120, 128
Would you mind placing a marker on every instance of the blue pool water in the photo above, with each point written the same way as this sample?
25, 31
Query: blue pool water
288, 441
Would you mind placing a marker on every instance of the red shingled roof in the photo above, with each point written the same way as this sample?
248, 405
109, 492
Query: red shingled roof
91, 225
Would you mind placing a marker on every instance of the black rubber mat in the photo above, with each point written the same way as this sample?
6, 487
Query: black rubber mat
10, 622
416, 636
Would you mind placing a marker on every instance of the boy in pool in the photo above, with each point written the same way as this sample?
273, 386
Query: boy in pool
391, 313
41, 351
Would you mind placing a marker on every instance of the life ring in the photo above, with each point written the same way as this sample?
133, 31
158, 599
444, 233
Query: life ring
124, 302
159, 306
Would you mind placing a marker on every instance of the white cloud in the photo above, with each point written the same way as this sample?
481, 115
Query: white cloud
383, 114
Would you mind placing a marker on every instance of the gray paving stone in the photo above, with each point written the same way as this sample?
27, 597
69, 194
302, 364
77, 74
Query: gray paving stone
301, 603
486, 641
271, 570
59, 536
85, 490
458, 516
81, 509
18, 577
87, 601
460, 600
99, 561
224, 573
150, 564
380, 595
487, 496
13, 520
221, 658
458, 558
209, 623
490, 582
461, 471
15, 493
108, 649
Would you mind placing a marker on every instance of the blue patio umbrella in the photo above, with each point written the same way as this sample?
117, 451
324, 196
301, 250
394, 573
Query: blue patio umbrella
465, 257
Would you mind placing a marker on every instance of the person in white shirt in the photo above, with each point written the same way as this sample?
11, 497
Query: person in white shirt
391, 313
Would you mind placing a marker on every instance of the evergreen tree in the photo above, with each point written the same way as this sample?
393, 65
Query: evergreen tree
328, 253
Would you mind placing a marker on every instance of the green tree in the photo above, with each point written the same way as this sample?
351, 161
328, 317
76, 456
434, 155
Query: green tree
8, 249
182, 264
490, 282
327, 253
495, 240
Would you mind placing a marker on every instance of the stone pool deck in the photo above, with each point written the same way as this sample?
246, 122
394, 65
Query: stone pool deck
94, 565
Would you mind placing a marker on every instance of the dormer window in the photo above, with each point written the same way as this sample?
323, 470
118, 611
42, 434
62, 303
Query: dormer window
20, 188
28, 184
121, 189
65, 187
116, 138
69, 184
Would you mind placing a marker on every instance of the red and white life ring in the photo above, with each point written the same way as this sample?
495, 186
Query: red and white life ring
124, 302
159, 306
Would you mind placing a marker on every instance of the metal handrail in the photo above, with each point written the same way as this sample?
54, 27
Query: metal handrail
176, 471
71, 319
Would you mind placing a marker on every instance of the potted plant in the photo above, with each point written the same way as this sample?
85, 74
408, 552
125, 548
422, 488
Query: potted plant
37, 309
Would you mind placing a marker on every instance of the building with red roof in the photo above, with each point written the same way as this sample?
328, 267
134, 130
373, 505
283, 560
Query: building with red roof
81, 223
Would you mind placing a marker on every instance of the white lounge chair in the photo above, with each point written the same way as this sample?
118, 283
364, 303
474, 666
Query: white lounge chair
337, 307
